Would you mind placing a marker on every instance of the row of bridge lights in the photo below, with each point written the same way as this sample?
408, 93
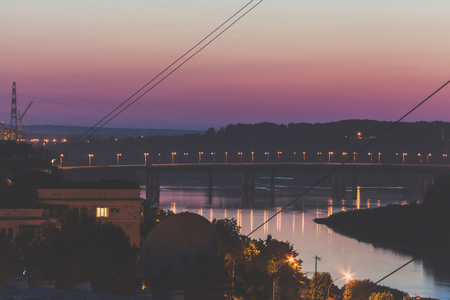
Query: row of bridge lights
267, 154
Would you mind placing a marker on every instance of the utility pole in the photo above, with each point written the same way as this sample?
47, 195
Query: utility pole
315, 274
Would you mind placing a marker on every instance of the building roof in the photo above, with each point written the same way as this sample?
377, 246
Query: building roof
101, 184
36, 293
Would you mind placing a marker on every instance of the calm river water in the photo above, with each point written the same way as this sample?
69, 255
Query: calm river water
339, 254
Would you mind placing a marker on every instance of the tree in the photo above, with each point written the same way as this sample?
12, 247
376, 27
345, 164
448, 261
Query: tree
386, 295
358, 289
80, 248
319, 285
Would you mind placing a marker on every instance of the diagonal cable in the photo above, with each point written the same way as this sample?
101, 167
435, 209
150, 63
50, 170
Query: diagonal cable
97, 125
348, 159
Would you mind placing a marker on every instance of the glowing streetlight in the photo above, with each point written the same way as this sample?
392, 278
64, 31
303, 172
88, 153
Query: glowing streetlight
444, 156
354, 157
61, 159
159, 157
428, 155
200, 157
214, 156
304, 156
145, 158
320, 156
185, 156
396, 158
173, 156
344, 154
329, 156
90, 158
346, 276
118, 156
379, 157
295, 153
420, 158
267, 156
253, 156
370, 155
279, 152
226, 157
403, 157
240, 155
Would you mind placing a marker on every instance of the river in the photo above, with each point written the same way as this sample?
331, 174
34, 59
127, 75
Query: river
339, 254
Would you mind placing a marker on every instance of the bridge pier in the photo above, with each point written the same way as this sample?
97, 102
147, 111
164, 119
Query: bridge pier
338, 185
152, 189
354, 186
272, 188
423, 182
210, 187
248, 188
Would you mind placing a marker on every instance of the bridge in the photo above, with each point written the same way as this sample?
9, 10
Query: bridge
341, 175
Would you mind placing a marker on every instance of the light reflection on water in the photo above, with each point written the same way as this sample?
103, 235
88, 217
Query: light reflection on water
295, 224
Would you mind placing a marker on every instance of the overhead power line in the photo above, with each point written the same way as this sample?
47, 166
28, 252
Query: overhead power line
123, 106
348, 159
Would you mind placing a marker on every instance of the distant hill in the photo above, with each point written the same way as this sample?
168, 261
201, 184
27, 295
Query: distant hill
33, 130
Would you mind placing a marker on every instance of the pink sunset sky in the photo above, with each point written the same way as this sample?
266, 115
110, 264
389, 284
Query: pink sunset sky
286, 61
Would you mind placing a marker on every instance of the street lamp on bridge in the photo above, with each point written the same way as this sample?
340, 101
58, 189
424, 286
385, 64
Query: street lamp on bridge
90, 158
200, 157
304, 156
267, 156
145, 158
444, 156
420, 158
214, 156
279, 152
253, 156
379, 157
118, 156
428, 155
354, 157
320, 156
226, 157
173, 156
185, 156
403, 157
240, 155
370, 156
329, 156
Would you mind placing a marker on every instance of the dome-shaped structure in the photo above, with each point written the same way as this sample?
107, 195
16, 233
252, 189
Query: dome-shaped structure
175, 242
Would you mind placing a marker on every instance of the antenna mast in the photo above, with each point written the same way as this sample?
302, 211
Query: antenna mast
12, 134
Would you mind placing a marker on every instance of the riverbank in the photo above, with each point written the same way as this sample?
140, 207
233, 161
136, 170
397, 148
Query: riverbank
415, 229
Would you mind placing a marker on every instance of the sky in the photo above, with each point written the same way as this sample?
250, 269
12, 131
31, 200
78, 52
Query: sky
284, 62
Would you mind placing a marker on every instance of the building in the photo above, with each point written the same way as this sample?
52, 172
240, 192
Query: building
114, 201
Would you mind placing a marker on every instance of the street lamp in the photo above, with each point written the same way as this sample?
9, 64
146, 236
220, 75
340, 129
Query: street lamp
396, 158
320, 156
295, 153
118, 155
200, 157
267, 156
240, 155
214, 156
279, 152
420, 158
428, 155
159, 157
403, 157
173, 155
354, 157
379, 157
145, 158
61, 159
370, 154
444, 156
329, 156
185, 156
346, 276
226, 157
344, 154
90, 158
304, 156
253, 156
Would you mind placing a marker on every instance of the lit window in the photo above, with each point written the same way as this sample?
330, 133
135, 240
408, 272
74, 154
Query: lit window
102, 212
